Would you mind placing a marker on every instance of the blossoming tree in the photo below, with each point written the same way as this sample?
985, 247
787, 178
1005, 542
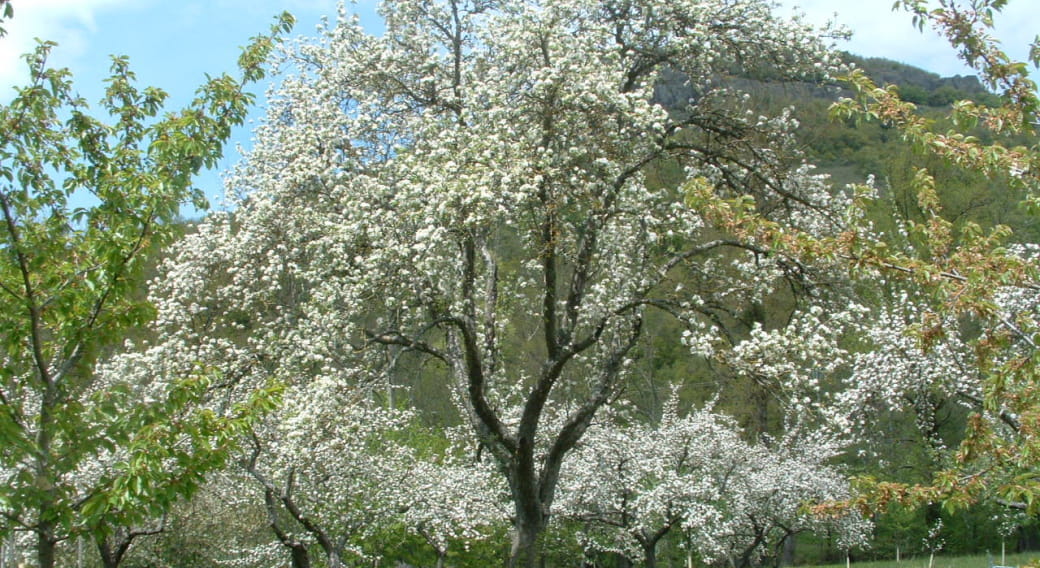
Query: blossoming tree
471, 188
452, 501
631, 486
329, 467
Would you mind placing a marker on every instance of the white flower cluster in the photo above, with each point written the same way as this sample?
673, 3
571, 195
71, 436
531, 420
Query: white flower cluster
802, 352
478, 176
633, 484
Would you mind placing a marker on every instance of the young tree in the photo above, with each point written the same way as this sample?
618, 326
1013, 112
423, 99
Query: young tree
329, 467
768, 498
453, 500
470, 187
70, 282
631, 486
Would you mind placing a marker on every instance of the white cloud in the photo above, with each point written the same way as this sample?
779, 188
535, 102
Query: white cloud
878, 31
70, 23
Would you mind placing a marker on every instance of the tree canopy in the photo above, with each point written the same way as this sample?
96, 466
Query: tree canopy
85, 202
471, 188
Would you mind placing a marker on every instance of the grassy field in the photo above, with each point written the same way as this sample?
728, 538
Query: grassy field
981, 561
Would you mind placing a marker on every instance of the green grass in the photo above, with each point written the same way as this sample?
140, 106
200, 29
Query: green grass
979, 561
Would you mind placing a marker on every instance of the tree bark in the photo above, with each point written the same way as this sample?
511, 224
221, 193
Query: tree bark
46, 544
525, 550
111, 554
787, 556
300, 557
650, 554
46, 527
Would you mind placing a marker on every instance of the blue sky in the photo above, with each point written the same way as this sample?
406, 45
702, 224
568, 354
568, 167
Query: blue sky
173, 43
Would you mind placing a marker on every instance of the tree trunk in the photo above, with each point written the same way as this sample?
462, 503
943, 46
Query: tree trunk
525, 549
46, 527
787, 557
110, 561
46, 544
300, 556
108, 558
650, 555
